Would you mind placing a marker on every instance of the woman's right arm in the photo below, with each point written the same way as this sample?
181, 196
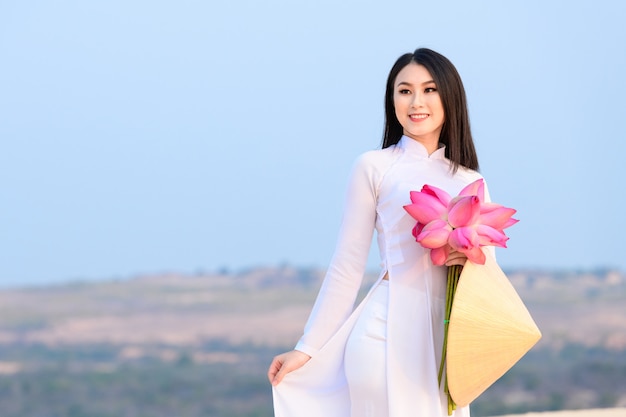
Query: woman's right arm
344, 276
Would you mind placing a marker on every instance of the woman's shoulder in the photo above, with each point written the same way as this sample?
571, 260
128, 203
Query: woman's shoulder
467, 174
377, 159
371, 166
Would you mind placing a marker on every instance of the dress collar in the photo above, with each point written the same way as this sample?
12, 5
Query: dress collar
415, 148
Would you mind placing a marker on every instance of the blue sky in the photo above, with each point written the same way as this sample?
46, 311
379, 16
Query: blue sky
151, 136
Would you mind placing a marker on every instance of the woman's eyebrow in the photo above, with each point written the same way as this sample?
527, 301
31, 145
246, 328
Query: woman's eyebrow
410, 85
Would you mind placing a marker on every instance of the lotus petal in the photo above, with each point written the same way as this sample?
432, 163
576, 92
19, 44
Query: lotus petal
439, 255
510, 222
476, 188
464, 238
435, 234
496, 216
417, 229
440, 194
475, 255
464, 211
489, 236
425, 208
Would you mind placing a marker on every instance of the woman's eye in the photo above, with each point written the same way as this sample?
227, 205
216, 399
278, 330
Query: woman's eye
430, 90
404, 91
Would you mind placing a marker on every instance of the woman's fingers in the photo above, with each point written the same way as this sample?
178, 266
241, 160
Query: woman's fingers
456, 258
285, 363
274, 369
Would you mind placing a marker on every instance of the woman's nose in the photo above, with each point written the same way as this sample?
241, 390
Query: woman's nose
417, 100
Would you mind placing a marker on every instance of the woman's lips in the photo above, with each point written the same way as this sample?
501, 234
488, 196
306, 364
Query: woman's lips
418, 117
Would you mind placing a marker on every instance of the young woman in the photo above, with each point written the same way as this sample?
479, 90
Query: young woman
381, 359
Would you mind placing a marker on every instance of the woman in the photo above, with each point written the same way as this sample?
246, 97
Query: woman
381, 359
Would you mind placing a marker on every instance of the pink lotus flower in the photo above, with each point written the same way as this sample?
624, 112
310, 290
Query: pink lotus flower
464, 223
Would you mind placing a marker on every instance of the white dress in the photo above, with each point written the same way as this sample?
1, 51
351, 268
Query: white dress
377, 191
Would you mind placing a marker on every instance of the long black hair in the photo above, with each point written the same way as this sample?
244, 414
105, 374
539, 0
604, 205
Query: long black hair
455, 134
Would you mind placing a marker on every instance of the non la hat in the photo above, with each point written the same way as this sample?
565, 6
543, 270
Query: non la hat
490, 330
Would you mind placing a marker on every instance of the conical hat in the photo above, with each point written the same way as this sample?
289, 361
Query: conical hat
490, 330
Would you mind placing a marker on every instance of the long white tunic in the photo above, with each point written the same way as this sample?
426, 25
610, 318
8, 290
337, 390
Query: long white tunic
378, 189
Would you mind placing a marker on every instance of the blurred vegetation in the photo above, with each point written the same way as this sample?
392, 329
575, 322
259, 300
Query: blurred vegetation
92, 381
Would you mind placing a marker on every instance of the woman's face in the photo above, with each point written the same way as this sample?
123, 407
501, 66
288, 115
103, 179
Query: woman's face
418, 105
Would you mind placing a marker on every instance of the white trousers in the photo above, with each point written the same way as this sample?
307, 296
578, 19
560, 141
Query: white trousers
365, 357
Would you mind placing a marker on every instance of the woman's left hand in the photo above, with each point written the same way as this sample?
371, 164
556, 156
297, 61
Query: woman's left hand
456, 258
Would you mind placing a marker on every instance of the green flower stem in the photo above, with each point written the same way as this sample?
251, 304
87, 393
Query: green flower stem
454, 272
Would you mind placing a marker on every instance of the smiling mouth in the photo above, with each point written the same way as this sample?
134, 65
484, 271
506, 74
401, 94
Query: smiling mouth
420, 116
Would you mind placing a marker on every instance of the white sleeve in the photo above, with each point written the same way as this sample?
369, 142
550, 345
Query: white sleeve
343, 279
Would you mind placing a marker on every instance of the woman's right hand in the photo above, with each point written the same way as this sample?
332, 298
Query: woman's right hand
456, 258
285, 363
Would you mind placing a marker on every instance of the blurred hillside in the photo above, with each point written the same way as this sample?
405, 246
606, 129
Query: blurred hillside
199, 345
